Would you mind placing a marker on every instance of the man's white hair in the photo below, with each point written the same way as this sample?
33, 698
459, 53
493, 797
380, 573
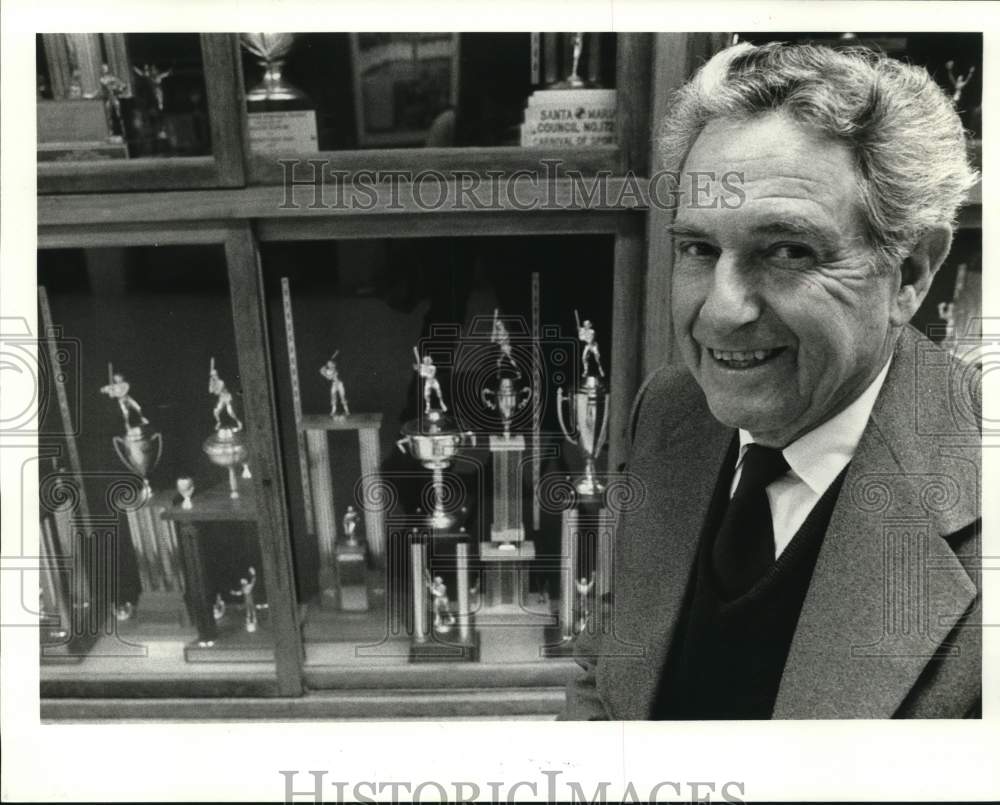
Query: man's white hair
909, 146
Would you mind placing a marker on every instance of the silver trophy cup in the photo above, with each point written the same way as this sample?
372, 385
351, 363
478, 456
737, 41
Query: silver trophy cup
140, 451
434, 446
589, 420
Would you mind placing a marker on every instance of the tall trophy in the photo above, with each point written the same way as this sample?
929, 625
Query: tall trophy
588, 411
507, 397
587, 526
280, 117
226, 447
570, 107
140, 448
434, 439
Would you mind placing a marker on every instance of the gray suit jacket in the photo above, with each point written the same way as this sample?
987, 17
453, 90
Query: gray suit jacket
890, 623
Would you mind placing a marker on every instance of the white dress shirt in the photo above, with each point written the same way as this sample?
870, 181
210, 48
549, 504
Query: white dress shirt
815, 460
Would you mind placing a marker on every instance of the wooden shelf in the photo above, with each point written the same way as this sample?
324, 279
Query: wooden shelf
214, 505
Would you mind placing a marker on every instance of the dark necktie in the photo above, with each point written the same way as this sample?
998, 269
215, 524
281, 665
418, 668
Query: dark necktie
744, 546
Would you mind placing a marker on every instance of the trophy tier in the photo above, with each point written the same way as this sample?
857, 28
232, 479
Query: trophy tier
433, 440
225, 448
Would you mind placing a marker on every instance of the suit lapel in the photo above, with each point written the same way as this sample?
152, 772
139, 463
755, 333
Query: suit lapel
656, 552
887, 587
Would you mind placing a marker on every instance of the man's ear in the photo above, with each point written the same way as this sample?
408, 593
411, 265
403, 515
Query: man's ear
917, 272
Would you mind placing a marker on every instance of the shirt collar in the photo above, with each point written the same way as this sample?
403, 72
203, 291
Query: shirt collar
818, 456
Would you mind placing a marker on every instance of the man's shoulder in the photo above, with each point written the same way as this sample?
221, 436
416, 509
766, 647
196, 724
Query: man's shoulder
666, 394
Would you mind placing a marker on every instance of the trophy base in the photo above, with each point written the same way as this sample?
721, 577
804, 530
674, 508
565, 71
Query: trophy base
589, 488
352, 577
446, 647
573, 82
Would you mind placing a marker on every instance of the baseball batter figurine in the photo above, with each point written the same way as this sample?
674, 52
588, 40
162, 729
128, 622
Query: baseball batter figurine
443, 617
217, 386
337, 394
117, 388
585, 333
350, 524
428, 371
501, 338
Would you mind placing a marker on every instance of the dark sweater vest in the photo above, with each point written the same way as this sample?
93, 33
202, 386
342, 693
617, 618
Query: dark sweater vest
727, 657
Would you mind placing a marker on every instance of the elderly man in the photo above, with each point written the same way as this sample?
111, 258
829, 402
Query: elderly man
808, 542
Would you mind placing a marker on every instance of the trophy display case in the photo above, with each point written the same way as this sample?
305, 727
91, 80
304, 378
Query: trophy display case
431, 400
155, 564
445, 403
334, 92
450, 95
121, 111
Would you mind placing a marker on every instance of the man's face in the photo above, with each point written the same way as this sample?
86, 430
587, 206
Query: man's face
778, 310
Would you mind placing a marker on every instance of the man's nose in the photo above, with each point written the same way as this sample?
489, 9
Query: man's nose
733, 298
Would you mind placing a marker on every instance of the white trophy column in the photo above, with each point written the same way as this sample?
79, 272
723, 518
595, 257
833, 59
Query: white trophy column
375, 517
322, 489
462, 585
417, 564
567, 572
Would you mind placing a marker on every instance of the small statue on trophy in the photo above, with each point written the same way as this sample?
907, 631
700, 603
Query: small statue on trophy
218, 608
225, 447
958, 83
224, 404
185, 488
329, 371
118, 389
112, 89
428, 371
441, 606
246, 593
75, 89
155, 78
584, 587
586, 334
350, 525
501, 338
139, 449
574, 81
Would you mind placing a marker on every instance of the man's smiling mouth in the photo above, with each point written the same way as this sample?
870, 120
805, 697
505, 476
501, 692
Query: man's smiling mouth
746, 359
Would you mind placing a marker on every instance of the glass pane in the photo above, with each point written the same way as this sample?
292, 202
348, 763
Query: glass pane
954, 60
430, 508
149, 525
120, 96
332, 92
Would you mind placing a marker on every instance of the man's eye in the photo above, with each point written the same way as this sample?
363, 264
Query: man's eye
697, 248
791, 252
